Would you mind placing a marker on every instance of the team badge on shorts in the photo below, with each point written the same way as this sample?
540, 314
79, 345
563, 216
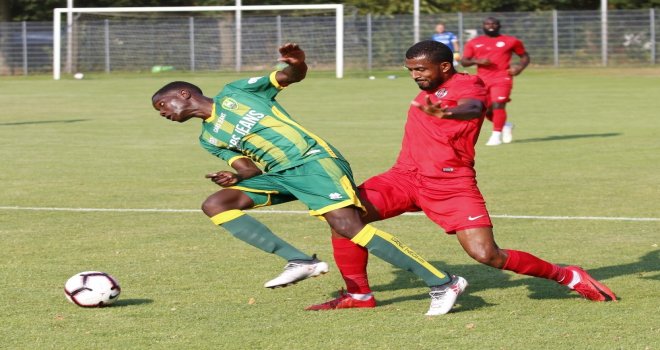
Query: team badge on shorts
441, 93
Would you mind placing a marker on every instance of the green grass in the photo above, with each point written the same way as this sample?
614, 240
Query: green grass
586, 144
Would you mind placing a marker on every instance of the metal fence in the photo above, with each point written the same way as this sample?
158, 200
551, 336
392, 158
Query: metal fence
553, 38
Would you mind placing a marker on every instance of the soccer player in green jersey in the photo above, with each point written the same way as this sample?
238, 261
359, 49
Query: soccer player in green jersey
247, 128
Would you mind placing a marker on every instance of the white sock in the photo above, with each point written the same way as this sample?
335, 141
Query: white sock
361, 297
496, 134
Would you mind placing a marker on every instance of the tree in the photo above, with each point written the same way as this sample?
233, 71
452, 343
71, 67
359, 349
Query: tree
5, 11
42, 10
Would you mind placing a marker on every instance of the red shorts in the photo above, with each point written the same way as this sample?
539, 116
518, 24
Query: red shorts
499, 89
455, 204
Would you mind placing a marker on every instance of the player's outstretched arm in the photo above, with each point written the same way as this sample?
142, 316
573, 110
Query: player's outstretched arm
296, 68
467, 108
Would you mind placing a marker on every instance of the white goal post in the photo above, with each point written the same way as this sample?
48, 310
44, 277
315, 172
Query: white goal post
339, 25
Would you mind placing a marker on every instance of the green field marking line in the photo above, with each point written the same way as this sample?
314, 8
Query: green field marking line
154, 210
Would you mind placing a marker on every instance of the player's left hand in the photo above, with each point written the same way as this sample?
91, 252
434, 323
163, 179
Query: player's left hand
291, 54
223, 178
431, 108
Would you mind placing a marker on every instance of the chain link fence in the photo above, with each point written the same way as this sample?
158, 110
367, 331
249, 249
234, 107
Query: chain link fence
553, 38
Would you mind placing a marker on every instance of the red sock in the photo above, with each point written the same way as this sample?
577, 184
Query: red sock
351, 259
499, 118
528, 264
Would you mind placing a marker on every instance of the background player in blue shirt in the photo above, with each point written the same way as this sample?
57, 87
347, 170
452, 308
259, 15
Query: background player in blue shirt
447, 38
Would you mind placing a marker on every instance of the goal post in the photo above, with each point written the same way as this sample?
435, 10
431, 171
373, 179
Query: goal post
238, 28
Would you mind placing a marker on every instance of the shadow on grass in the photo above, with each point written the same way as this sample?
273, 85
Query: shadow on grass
43, 122
566, 137
482, 278
131, 302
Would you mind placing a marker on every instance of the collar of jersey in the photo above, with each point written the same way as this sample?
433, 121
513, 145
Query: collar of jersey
212, 117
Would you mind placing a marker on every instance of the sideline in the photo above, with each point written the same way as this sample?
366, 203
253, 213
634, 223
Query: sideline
154, 210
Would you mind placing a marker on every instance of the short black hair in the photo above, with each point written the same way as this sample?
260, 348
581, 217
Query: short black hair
435, 51
177, 85
492, 19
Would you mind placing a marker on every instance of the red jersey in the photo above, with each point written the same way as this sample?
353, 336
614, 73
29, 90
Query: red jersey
439, 147
497, 49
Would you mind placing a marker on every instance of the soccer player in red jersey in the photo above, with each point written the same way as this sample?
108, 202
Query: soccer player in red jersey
434, 173
492, 54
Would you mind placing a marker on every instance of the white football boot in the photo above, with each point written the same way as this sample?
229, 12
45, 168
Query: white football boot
298, 270
495, 139
443, 297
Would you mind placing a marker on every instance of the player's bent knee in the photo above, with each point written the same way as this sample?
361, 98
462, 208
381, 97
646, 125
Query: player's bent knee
227, 199
216, 204
488, 257
346, 226
210, 207
345, 229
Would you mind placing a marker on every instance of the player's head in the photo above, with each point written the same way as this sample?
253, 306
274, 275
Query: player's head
440, 27
491, 26
430, 63
176, 100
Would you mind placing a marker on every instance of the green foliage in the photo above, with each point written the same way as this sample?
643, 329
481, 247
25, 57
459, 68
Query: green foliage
41, 10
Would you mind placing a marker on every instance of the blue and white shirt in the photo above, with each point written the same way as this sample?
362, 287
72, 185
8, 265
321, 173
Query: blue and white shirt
446, 38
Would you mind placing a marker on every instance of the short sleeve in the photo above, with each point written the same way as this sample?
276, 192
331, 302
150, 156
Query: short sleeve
519, 48
473, 88
265, 86
468, 51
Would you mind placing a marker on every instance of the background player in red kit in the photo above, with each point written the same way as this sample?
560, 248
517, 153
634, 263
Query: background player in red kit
492, 54
435, 173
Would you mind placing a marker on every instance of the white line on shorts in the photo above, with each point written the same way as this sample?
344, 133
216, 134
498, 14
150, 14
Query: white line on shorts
155, 210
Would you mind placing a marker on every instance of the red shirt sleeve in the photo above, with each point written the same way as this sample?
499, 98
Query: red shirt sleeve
468, 51
519, 48
473, 87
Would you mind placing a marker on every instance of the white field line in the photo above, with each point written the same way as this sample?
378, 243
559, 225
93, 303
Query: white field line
154, 210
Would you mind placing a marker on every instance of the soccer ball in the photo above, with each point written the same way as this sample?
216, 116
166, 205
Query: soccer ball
78, 76
92, 289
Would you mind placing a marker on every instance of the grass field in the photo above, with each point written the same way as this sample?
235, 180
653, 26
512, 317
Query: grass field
584, 168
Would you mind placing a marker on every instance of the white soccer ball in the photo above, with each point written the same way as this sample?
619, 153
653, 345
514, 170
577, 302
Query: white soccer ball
92, 289
78, 76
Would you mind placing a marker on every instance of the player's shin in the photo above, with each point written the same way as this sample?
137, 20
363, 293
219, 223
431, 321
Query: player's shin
351, 259
392, 250
499, 118
530, 265
253, 232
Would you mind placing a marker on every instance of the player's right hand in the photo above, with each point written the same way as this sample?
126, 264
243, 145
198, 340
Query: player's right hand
291, 54
223, 178
431, 108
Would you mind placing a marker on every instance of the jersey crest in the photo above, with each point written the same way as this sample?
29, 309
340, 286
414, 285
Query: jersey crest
230, 104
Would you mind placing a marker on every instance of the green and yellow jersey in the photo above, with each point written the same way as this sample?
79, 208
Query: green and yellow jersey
248, 122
